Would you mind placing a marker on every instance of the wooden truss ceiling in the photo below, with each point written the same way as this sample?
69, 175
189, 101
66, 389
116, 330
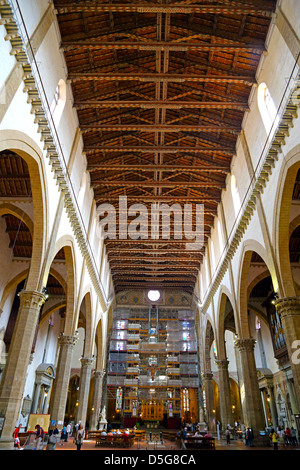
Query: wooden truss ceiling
160, 91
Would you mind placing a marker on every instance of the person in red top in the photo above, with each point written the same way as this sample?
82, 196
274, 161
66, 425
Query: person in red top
16, 437
288, 435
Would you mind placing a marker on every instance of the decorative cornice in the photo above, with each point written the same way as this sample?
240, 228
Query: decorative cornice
36, 97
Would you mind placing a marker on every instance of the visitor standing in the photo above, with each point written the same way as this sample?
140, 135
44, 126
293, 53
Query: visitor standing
39, 437
274, 438
281, 438
79, 437
227, 434
63, 436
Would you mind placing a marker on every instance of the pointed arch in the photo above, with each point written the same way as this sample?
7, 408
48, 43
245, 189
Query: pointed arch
224, 296
67, 244
243, 293
281, 223
21, 144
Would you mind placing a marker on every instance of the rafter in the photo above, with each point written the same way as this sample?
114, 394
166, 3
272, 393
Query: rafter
161, 184
154, 46
165, 168
161, 77
159, 128
155, 104
234, 8
160, 149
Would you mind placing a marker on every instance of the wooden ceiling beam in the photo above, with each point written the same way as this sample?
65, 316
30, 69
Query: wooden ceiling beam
164, 168
120, 261
161, 104
161, 77
158, 148
257, 8
163, 128
149, 242
162, 46
158, 199
158, 184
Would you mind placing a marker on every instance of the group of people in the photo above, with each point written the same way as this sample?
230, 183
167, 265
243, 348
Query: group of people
55, 436
280, 438
114, 433
183, 434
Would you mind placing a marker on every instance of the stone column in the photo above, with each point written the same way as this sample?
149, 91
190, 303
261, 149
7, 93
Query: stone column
239, 375
289, 311
84, 388
46, 401
209, 394
61, 384
273, 409
224, 391
97, 398
249, 390
14, 376
36, 398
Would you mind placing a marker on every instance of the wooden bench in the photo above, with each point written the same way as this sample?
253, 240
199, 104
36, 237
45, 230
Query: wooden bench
169, 435
115, 440
196, 442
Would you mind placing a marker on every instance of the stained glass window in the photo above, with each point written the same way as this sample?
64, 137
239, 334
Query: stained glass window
186, 401
119, 398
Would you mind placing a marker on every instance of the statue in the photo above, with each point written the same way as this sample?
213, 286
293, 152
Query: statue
103, 421
103, 414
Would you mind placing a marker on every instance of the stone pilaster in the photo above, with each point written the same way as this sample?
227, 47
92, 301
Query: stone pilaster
98, 382
84, 387
209, 395
14, 376
289, 311
249, 390
224, 391
61, 384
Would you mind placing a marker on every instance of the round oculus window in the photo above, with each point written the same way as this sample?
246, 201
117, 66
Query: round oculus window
153, 295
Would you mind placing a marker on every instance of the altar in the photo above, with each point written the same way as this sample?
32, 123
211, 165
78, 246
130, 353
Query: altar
152, 411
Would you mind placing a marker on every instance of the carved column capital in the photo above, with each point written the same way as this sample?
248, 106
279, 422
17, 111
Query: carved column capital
99, 374
208, 375
222, 364
67, 340
245, 344
288, 306
31, 299
87, 361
